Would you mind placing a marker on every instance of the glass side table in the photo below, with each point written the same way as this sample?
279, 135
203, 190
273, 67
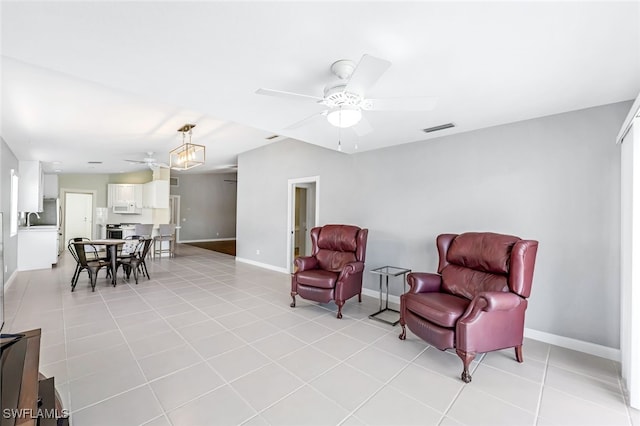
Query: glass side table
389, 271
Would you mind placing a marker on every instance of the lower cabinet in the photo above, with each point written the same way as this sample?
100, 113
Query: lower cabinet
37, 248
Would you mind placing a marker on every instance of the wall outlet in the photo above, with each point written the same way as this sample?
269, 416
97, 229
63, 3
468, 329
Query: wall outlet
6, 269
257, 251
217, 234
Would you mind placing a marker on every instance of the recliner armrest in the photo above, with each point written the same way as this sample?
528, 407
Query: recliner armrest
424, 282
351, 268
499, 301
304, 263
490, 301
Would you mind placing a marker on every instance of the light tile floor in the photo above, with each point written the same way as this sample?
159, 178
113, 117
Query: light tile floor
209, 341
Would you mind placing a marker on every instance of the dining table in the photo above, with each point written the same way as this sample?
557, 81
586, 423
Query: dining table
112, 252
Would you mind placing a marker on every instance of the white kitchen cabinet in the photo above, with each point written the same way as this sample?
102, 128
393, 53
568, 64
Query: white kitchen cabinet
30, 186
122, 194
156, 194
37, 247
50, 186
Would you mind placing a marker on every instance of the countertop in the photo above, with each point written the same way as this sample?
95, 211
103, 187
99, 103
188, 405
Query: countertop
38, 228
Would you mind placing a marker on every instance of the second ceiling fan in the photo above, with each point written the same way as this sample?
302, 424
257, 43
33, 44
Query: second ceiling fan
345, 98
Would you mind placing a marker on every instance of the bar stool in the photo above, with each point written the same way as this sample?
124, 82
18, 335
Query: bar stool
144, 229
167, 233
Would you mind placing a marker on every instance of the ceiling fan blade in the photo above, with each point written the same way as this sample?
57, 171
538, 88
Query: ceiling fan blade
423, 103
136, 161
363, 127
162, 165
289, 95
367, 72
306, 120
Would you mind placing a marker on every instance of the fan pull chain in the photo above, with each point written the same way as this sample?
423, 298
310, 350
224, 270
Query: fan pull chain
340, 129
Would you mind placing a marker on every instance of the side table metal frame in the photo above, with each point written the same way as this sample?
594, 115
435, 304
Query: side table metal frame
389, 271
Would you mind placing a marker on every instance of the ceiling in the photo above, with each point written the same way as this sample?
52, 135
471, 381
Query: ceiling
108, 81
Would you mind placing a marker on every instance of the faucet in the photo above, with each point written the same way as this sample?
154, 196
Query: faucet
29, 217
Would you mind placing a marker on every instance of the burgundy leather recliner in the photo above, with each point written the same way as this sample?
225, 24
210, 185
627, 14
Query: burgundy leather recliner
476, 302
334, 269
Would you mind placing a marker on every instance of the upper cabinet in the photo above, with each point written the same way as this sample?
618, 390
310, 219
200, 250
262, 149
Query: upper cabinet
122, 194
30, 186
156, 194
50, 186
151, 195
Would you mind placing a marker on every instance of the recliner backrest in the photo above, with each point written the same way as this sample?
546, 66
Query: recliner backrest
336, 245
474, 262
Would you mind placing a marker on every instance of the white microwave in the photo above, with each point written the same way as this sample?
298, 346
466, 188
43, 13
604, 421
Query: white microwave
126, 209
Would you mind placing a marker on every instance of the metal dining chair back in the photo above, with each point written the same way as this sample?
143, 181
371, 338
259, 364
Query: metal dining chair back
91, 266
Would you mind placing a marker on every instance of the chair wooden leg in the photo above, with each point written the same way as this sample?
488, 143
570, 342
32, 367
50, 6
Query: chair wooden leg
403, 335
293, 296
360, 297
519, 357
340, 304
466, 358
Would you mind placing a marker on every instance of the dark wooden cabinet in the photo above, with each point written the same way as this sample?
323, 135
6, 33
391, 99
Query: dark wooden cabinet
28, 398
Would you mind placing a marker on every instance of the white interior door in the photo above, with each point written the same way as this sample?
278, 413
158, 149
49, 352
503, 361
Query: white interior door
78, 216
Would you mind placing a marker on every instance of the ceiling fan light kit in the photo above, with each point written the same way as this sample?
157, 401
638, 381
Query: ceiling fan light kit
344, 116
188, 155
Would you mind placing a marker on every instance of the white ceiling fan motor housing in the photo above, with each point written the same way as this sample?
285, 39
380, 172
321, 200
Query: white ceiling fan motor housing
343, 68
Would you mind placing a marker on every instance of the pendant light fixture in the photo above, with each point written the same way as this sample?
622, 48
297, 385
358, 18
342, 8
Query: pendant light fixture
188, 155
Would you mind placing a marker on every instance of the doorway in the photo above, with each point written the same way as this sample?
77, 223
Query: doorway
174, 213
304, 207
78, 215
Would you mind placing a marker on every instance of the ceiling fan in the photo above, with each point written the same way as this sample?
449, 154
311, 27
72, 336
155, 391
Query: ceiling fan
345, 97
149, 161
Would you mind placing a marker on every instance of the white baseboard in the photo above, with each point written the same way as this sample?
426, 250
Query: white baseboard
574, 344
207, 240
553, 339
262, 265
10, 281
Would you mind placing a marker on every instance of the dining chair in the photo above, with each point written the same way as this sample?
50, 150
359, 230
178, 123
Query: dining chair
91, 266
135, 262
79, 268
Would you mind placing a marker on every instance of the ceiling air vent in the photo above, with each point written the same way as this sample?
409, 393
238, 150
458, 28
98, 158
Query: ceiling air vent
271, 137
94, 162
437, 128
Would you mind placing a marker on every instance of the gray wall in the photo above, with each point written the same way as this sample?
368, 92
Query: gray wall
554, 179
263, 176
207, 206
8, 161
